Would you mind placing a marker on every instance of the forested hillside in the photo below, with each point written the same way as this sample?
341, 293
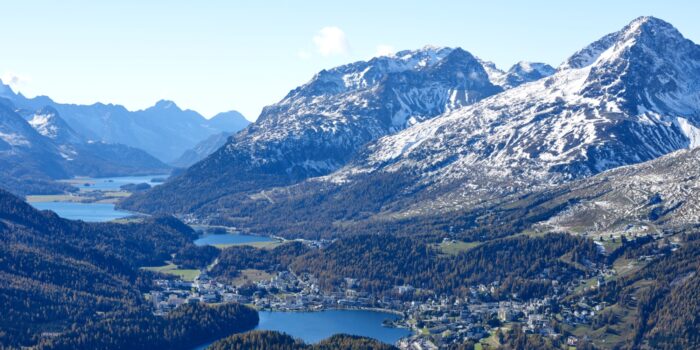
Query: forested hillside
268, 340
523, 265
68, 284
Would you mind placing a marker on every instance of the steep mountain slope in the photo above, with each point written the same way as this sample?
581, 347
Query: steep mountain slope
55, 272
47, 122
630, 97
225, 121
319, 126
201, 150
88, 158
342, 109
28, 160
158, 130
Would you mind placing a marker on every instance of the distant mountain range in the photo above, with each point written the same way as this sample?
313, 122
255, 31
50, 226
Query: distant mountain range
164, 130
42, 141
437, 131
39, 147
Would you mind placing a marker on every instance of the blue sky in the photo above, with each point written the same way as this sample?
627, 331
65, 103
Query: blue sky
213, 56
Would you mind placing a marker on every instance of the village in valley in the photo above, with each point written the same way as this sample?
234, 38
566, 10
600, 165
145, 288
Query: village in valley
435, 321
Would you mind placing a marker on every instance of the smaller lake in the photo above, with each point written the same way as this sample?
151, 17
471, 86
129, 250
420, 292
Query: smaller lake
92, 212
312, 327
230, 238
96, 212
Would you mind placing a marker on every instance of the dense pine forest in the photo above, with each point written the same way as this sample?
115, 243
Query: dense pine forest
381, 262
186, 327
268, 340
69, 284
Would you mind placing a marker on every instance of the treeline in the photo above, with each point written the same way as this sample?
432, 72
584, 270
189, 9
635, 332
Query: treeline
186, 327
270, 340
58, 275
523, 265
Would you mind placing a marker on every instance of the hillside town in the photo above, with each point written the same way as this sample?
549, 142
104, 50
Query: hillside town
435, 321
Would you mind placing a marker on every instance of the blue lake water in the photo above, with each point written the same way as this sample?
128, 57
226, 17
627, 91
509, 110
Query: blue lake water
313, 327
93, 212
230, 238
96, 212
114, 183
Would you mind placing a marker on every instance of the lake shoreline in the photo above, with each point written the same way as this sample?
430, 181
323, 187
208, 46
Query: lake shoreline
350, 308
293, 329
95, 200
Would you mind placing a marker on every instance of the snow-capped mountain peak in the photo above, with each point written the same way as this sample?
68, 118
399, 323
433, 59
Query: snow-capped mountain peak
520, 73
524, 68
631, 96
648, 66
165, 104
319, 126
649, 31
47, 122
363, 74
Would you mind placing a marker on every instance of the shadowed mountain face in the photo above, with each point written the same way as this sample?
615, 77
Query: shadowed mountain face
320, 126
163, 130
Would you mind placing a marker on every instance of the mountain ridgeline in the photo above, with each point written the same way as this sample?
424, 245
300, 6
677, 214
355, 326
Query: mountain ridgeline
320, 126
42, 141
630, 97
164, 130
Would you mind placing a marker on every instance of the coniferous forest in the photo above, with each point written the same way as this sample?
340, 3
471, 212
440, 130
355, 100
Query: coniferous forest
69, 284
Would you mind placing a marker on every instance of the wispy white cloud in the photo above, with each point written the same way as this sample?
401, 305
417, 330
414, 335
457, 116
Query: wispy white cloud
331, 41
384, 50
14, 80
